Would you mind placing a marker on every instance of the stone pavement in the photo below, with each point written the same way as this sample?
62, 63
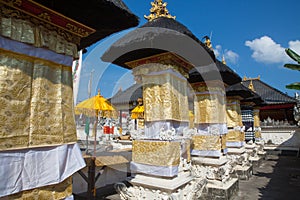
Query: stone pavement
278, 177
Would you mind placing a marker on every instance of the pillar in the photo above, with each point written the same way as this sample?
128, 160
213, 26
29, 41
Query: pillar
161, 154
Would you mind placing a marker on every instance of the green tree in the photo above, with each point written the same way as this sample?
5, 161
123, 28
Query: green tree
296, 57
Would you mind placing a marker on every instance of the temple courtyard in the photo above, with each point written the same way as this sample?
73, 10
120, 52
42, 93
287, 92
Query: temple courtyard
277, 177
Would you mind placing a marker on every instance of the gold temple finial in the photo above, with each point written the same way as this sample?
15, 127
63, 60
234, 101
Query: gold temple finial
159, 9
223, 60
251, 87
248, 79
207, 42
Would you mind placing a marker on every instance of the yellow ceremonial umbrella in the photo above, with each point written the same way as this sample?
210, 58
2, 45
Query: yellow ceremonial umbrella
137, 112
94, 107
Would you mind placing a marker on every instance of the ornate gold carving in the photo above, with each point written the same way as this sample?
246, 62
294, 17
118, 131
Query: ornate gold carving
159, 9
233, 111
168, 60
209, 142
32, 31
209, 104
40, 15
257, 134
35, 102
76, 29
165, 97
256, 118
158, 153
235, 136
45, 16
206, 142
58, 191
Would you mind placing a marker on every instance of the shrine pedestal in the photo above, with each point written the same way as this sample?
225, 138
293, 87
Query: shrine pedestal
241, 165
243, 172
219, 190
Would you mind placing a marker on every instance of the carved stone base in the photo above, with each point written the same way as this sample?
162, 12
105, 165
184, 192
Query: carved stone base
238, 151
221, 191
250, 147
243, 172
256, 161
262, 154
168, 185
146, 187
209, 161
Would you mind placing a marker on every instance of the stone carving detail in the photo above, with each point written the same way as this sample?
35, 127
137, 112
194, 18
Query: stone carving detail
167, 134
221, 173
190, 191
189, 132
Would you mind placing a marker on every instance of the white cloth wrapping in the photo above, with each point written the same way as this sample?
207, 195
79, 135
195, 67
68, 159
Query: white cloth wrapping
235, 144
29, 50
167, 171
31, 168
212, 129
153, 129
209, 153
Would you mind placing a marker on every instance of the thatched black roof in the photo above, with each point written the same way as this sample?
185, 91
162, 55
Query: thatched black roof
239, 89
256, 99
127, 96
213, 72
105, 16
156, 37
269, 94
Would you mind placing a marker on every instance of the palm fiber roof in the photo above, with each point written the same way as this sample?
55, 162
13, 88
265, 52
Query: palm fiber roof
156, 37
105, 16
212, 72
269, 94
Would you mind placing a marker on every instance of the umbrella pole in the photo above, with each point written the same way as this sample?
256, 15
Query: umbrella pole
95, 135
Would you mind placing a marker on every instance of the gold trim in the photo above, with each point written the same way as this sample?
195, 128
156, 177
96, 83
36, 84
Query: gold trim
159, 58
45, 17
248, 79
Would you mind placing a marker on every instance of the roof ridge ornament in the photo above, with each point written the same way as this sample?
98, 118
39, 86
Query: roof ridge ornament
248, 79
159, 9
251, 87
223, 60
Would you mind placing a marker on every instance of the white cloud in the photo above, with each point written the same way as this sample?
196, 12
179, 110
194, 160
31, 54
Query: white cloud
218, 50
266, 50
295, 46
230, 56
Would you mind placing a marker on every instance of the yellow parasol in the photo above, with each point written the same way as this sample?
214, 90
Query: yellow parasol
96, 106
138, 111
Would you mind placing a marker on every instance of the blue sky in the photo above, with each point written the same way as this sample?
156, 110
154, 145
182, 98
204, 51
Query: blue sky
252, 35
